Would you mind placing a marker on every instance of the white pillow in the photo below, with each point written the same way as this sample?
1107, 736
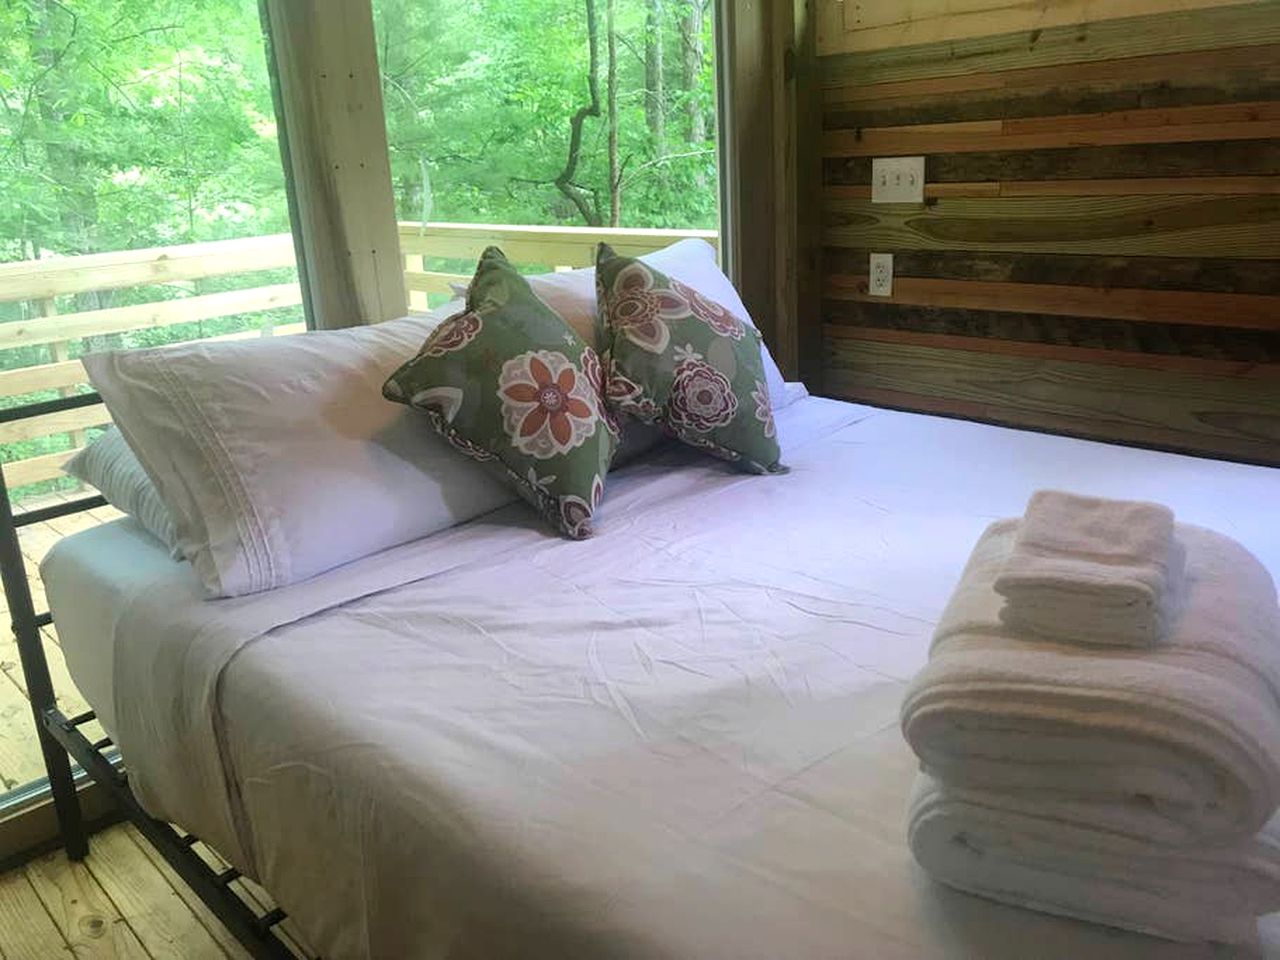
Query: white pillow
279, 459
572, 294
109, 465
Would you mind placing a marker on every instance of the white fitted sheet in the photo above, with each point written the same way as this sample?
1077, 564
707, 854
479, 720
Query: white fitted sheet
677, 739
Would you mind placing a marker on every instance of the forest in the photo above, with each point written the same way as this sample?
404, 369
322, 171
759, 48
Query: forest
144, 123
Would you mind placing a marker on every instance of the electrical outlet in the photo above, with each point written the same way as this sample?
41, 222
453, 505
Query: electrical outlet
881, 274
897, 180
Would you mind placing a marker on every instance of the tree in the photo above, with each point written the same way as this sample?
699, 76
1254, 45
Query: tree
655, 106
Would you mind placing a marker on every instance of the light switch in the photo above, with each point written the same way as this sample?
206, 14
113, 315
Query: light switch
897, 180
881, 274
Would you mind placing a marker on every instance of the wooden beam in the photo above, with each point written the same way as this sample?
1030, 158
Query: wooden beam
428, 282
1196, 366
1233, 417
1225, 275
1231, 121
1139, 161
880, 26
73, 326
1170, 68
1155, 186
334, 134
57, 276
1244, 24
767, 128
1241, 227
64, 421
48, 466
1149, 306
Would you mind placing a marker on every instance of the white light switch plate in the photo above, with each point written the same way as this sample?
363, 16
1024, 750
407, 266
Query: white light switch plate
881, 274
897, 180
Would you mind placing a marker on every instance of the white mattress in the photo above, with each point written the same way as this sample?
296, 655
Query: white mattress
678, 739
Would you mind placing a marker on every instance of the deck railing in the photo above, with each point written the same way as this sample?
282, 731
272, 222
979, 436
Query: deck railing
435, 255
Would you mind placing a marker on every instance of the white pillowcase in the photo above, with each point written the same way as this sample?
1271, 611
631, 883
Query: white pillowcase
109, 465
279, 459
572, 294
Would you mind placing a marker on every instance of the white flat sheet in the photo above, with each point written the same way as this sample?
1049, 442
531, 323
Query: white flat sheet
678, 739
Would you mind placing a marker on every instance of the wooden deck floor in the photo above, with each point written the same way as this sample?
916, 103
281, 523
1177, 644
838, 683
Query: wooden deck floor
122, 902
20, 760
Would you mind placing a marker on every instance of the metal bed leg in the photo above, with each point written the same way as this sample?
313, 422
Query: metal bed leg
66, 803
35, 668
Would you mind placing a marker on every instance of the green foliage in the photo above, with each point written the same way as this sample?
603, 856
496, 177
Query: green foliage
478, 96
140, 123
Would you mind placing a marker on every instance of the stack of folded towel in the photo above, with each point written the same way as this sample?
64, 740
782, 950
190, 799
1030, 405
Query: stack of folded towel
1099, 723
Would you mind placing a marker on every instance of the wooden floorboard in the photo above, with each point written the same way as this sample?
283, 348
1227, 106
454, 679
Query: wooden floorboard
20, 760
122, 903
27, 931
163, 921
88, 920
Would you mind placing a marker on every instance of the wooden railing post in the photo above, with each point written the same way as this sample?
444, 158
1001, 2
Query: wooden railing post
61, 350
417, 298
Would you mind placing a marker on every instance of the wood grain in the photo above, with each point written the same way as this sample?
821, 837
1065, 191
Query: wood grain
1161, 340
1207, 76
1195, 366
1250, 158
1152, 306
332, 126
162, 920
1241, 227
1227, 416
1103, 195
82, 911
229, 944
879, 26
1168, 187
1190, 30
1232, 121
1150, 273
27, 931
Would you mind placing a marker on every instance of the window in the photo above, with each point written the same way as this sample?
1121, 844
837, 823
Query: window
144, 204
545, 125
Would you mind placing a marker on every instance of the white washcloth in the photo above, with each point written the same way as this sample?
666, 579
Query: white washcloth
989, 845
1090, 570
1177, 744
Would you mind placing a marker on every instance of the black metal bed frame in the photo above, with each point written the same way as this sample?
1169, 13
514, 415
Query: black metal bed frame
61, 739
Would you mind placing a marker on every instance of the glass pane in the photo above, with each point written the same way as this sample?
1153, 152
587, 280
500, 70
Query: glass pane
144, 204
482, 99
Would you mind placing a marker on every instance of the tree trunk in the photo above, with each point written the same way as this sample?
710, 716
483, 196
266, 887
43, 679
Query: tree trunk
694, 54
589, 209
655, 94
615, 170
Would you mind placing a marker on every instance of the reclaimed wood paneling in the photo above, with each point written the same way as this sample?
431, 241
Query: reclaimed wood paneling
1011, 48
1231, 416
1247, 227
880, 26
1098, 252
1249, 158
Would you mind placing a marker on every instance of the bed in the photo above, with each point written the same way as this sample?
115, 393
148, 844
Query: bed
677, 739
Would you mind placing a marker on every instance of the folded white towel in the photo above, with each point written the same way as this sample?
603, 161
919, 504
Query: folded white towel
1177, 744
992, 846
1090, 570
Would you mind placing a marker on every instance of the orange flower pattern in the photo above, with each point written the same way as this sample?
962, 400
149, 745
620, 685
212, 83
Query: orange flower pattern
548, 406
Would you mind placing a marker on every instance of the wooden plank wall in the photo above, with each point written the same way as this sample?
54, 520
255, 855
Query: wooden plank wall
1098, 252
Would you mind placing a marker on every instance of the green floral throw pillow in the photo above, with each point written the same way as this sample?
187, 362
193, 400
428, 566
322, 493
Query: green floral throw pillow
507, 382
674, 358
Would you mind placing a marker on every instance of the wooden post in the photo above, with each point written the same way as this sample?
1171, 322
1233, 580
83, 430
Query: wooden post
61, 351
334, 140
762, 43
417, 298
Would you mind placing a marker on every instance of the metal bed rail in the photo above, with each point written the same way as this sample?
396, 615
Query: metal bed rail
61, 738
